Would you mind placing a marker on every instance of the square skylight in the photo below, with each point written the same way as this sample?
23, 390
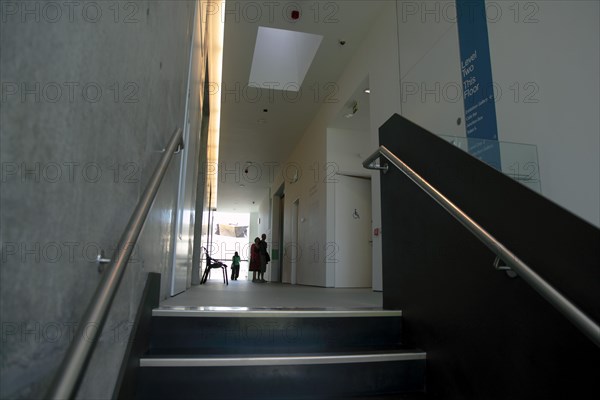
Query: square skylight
282, 58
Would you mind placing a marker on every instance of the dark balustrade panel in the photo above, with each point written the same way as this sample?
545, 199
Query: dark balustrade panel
487, 336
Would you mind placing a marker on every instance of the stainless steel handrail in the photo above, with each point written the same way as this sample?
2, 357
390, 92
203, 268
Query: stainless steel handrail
584, 323
70, 372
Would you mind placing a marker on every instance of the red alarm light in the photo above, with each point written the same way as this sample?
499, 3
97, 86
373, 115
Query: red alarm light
295, 14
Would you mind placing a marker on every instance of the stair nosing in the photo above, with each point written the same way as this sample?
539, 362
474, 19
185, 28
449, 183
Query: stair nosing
246, 312
280, 360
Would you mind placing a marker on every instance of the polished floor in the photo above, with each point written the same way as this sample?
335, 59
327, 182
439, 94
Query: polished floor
273, 295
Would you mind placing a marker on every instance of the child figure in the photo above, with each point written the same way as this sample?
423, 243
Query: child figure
235, 266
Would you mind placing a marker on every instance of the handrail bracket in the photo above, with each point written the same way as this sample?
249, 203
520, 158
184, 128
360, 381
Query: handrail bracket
370, 163
500, 265
384, 168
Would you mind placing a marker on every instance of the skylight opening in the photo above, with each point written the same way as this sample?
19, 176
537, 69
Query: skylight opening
282, 58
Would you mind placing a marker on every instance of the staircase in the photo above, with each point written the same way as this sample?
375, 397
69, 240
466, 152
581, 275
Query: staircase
239, 353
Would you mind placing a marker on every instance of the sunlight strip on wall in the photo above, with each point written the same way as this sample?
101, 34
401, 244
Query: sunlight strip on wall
214, 40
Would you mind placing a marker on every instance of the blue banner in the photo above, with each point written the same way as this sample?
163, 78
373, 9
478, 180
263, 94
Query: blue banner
478, 86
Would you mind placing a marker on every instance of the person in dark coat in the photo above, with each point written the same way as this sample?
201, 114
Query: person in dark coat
255, 259
264, 258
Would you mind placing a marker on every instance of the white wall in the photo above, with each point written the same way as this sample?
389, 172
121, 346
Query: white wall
407, 51
346, 150
253, 228
376, 58
307, 159
317, 230
431, 86
545, 62
551, 54
264, 217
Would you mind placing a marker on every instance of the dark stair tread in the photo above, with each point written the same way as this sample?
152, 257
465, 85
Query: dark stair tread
384, 380
266, 350
296, 354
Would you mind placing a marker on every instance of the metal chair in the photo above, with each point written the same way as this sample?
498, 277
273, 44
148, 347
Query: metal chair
212, 263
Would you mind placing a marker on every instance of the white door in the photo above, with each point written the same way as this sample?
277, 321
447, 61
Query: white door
352, 248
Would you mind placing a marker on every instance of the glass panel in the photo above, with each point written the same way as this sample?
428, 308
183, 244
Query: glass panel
518, 160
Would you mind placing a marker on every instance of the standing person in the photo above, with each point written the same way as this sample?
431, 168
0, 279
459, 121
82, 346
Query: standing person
264, 258
235, 266
255, 259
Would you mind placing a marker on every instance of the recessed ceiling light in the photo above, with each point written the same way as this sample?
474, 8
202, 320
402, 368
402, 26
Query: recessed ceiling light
367, 91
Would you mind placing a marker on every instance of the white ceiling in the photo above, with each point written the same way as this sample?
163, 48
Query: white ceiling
248, 133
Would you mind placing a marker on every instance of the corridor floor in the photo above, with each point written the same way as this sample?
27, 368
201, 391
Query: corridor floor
272, 295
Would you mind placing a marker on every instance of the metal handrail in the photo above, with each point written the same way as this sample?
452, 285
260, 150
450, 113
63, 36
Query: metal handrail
70, 372
584, 323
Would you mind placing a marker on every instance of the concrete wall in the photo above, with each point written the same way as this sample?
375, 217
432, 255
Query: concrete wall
89, 100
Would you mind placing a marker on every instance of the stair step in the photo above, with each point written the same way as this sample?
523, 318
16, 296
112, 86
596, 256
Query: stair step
279, 353
393, 396
309, 376
270, 312
265, 350
210, 330
280, 359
